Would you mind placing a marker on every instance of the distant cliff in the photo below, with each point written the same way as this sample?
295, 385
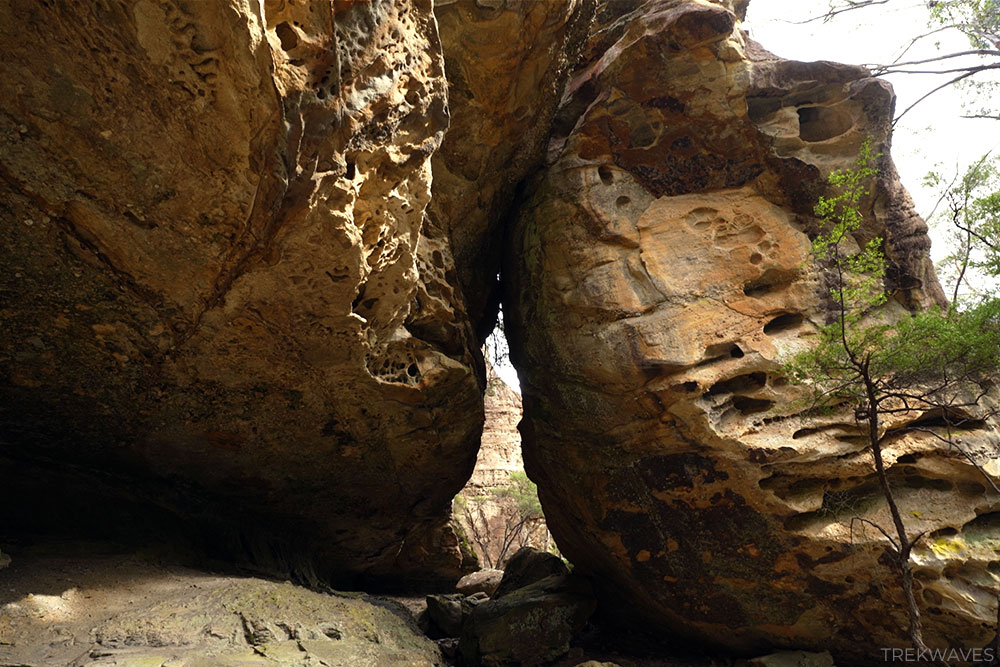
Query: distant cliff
498, 509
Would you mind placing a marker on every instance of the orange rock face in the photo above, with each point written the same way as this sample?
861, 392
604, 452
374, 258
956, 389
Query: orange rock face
216, 288
659, 276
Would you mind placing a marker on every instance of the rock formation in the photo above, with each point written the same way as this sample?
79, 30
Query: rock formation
487, 511
657, 277
234, 304
507, 64
531, 625
500, 446
218, 298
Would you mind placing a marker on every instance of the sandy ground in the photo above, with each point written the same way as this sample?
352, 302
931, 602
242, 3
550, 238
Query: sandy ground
94, 604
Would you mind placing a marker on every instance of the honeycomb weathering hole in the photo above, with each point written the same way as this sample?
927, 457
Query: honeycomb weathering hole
746, 382
747, 405
782, 323
770, 281
286, 33
822, 123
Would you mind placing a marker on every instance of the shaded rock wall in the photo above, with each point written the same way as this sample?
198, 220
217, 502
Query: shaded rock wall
217, 296
507, 64
657, 276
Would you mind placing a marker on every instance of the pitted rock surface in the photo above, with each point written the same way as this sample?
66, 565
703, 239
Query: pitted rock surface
658, 277
217, 296
507, 65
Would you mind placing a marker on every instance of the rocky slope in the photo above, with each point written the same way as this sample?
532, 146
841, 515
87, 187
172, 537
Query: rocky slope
658, 276
218, 297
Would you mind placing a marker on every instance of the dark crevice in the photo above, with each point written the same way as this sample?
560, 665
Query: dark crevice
940, 418
771, 280
746, 382
749, 406
783, 323
805, 432
718, 353
822, 123
289, 38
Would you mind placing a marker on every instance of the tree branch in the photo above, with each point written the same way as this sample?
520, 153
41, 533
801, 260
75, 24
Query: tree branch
879, 69
964, 76
854, 4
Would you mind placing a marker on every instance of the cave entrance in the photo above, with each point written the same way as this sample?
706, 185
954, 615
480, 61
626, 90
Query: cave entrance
497, 512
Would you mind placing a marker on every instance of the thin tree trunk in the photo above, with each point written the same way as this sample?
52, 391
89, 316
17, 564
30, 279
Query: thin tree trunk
903, 552
994, 659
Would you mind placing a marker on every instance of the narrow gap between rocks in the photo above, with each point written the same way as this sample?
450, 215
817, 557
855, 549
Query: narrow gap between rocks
497, 512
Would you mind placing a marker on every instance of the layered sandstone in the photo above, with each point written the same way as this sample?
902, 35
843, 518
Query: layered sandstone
658, 277
500, 446
218, 298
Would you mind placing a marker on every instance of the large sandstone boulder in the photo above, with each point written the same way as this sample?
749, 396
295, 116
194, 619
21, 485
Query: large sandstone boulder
530, 626
658, 276
526, 567
482, 581
217, 296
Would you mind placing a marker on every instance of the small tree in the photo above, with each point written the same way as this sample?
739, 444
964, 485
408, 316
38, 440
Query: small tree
503, 520
934, 362
972, 212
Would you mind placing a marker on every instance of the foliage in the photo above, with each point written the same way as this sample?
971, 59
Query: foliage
524, 494
977, 20
503, 520
972, 210
926, 359
934, 362
860, 275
